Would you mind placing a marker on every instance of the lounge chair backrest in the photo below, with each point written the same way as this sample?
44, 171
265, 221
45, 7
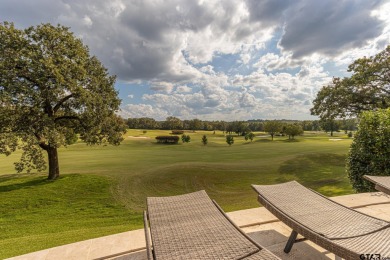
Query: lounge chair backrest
382, 183
317, 212
191, 226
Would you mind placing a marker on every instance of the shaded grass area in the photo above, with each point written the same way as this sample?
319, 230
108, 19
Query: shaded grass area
107, 195
37, 213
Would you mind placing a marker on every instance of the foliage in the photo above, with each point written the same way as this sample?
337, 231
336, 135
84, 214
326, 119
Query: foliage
272, 127
51, 89
185, 138
177, 132
172, 122
249, 136
370, 149
292, 130
350, 134
229, 140
204, 139
195, 124
367, 89
142, 123
330, 125
170, 139
349, 124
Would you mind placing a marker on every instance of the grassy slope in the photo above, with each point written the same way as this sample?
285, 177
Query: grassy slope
106, 187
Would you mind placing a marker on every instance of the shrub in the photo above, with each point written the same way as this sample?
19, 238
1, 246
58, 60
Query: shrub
370, 150
167, 139
204, 139
249, 136
186, 138
177, 132
229, 140
350, 134
144, 132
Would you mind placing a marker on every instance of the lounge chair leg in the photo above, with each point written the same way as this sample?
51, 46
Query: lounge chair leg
290, 241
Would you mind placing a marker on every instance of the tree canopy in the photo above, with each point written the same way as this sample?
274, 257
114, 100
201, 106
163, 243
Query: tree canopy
368, 88
51, 89
370, 149
293, 130
272, 127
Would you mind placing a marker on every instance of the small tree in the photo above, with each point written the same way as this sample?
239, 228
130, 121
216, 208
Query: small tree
249, 136
292, 130
204, 140
370, 150
229, 140
330, 125
272, 127
185, 138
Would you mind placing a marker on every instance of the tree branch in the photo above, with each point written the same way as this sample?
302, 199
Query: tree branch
67, 118
41, 143
62, 101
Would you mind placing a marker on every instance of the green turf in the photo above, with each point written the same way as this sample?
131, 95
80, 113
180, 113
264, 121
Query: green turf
103, 188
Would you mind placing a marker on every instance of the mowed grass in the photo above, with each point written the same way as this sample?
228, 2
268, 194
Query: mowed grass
103, 188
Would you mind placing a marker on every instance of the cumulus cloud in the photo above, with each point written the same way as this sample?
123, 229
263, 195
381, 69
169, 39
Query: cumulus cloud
329, 27
218, 59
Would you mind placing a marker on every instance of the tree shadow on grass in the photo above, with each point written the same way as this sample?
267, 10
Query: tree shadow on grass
23, 183
263, 140
290, 141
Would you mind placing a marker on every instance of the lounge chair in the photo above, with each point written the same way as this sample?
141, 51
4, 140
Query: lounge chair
382, 183
345, 232
192, 226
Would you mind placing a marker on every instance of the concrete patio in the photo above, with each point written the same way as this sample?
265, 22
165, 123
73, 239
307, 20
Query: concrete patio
258, 223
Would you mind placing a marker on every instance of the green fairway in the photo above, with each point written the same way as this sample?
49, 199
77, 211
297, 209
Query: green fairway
103, 188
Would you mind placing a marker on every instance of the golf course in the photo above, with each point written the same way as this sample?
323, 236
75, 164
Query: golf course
102, 189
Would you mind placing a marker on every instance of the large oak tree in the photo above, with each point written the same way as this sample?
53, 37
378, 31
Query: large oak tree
368, 88
51, 89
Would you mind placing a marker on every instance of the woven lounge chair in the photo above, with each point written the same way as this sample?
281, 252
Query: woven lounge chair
339, 229
192, 226
382, 183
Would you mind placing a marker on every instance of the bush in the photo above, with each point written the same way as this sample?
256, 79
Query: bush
249, 136
186, 138
177, 132
204, 139
370, 149
167, 139
229, 140
350, 134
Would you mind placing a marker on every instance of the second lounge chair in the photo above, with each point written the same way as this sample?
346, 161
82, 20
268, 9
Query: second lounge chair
345, 232
382, 183
192, 226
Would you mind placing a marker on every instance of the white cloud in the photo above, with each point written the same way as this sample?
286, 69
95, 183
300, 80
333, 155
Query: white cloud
183, 89
219, 59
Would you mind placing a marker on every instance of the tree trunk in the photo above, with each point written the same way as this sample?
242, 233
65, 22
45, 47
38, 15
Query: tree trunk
54, 169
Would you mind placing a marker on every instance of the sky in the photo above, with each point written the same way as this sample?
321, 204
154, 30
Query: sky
217, 59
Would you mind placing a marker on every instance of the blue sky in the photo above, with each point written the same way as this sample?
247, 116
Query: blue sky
217, 59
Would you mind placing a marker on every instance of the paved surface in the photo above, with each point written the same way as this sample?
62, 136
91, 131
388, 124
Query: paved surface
258, 223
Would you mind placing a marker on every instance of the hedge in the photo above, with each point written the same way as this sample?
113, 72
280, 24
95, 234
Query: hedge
167, 139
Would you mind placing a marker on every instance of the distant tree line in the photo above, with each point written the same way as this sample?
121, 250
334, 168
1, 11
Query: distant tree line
242, 128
